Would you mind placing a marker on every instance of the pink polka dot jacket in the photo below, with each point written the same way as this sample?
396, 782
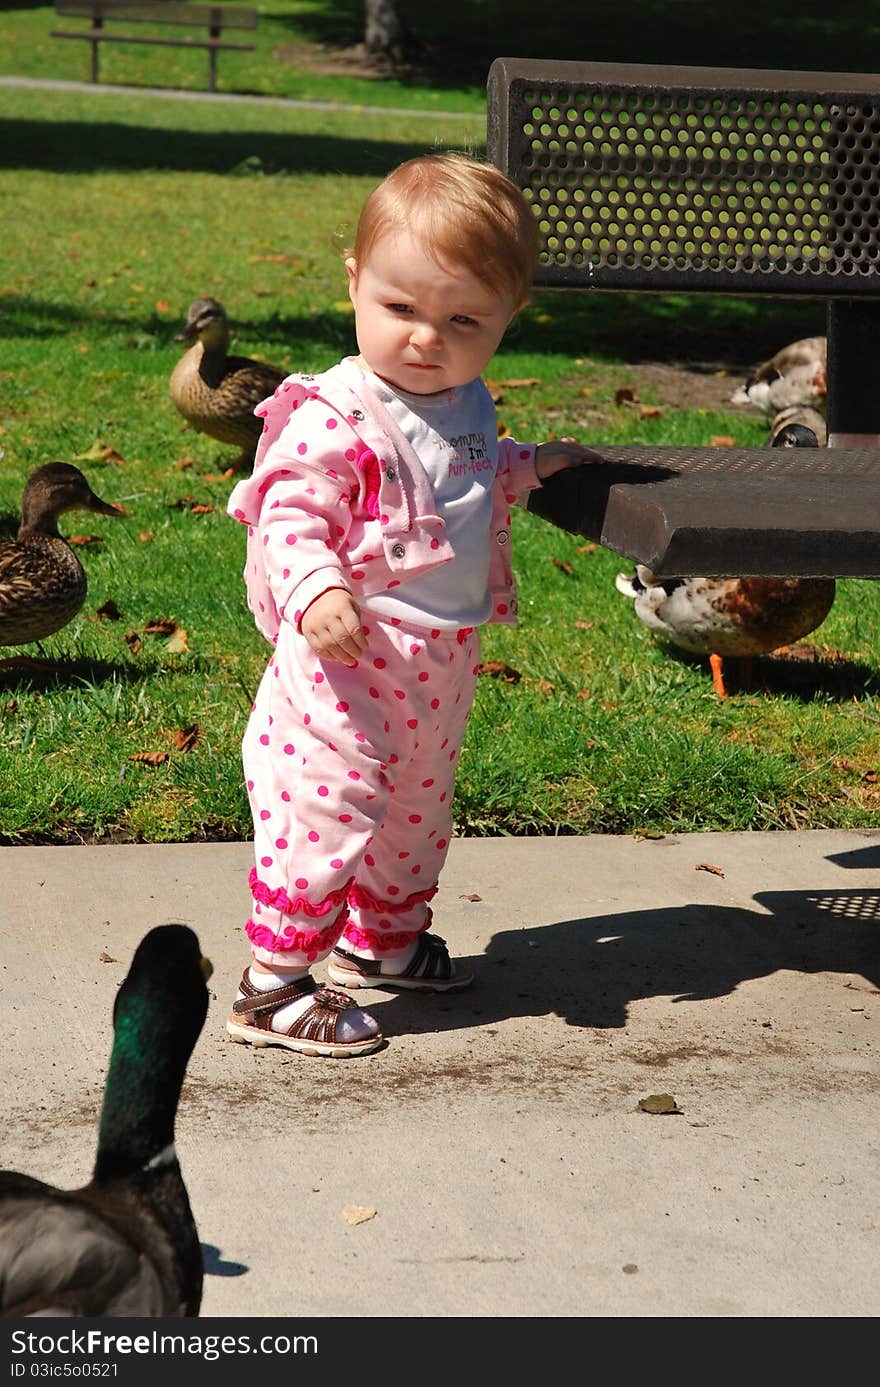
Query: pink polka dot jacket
339, 499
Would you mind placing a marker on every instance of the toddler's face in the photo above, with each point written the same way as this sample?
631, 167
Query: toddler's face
423, 326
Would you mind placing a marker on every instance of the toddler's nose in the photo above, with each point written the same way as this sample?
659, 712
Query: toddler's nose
425, 336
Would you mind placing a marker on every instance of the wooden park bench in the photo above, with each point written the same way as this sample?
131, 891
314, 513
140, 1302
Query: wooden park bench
702, 180
213, 19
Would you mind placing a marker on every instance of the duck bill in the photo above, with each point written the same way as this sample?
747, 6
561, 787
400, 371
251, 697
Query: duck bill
104, 507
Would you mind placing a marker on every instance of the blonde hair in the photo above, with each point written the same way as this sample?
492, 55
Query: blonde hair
465, 213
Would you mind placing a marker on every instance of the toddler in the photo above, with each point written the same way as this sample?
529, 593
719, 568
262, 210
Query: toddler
378, 541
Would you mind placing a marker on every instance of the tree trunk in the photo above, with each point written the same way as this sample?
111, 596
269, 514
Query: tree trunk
385, 33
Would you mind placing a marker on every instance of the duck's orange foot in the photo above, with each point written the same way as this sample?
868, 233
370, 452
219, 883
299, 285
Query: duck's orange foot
717, 675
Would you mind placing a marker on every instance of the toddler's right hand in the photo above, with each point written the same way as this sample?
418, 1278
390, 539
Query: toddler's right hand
332, 626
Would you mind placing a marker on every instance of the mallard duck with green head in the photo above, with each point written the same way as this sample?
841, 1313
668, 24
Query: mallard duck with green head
126, 1243
215, 392
42, 582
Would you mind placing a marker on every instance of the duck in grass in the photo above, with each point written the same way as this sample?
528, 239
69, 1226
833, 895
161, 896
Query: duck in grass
126, 1243
795, 375
725, 617
42, 582
798, 426
217, 393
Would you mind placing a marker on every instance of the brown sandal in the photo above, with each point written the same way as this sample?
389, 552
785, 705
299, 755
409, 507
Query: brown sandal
429, 970
312, 1033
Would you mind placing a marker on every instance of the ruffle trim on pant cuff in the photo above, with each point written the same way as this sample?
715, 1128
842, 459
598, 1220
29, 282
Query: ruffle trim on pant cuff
383, 941
361, 898
314, 943
277, 898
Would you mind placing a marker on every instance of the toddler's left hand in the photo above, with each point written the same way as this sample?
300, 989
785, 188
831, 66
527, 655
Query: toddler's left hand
561, 453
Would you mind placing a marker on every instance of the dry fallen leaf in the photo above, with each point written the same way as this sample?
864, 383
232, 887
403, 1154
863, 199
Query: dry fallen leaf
200, 509
185, 738
85, 539
584, 693
178, 643
659, 1103
584, 625
146, 536
500, 670
625, 396
357, 1213
721, 440
563, 566
185, 462
707, 867
503, 430
545, 687
279, 259
470, 896
104, 957
99, 452
160, 626
587, 548
109, 610
133, 641
520, 384
650, 412
151, 758
162, 305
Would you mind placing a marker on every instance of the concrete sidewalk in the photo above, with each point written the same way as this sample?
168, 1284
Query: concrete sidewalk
498, 1136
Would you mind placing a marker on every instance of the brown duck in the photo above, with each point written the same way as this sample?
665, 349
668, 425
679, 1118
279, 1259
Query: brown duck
42, 582
218, 393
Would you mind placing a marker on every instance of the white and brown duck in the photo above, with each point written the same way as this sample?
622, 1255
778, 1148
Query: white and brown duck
215, 392
732, 617
795, 375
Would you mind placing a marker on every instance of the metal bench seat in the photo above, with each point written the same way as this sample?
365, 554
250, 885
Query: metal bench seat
717, 512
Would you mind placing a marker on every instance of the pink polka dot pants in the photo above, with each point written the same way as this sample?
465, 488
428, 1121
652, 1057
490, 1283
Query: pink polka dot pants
350, 774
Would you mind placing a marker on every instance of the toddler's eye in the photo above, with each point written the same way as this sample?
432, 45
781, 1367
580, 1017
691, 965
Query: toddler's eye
463, 320
400, 308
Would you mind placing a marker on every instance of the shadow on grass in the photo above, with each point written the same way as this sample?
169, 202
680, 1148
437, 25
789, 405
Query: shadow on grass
806, 674
282, 336
700, 332
88, 146
689, 953
787, 34
61, 673
714, 332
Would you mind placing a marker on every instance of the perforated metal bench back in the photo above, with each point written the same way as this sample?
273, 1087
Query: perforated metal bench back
691, 179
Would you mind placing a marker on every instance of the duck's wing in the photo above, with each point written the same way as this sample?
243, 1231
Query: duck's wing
16, 576
808, 351
59, 1255
250, 381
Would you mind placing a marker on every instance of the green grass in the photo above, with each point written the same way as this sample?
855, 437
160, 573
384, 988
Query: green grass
115, 213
